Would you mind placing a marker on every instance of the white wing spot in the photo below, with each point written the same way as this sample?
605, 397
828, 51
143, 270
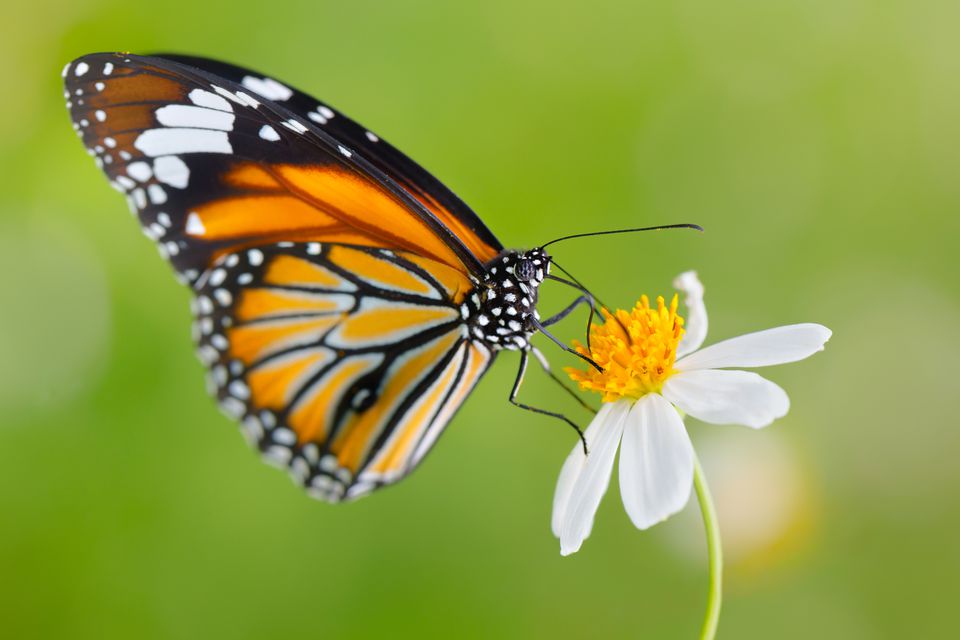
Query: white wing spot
344, 150
223, 297
100, 114
226, 94
178, 115
195, 228
139, 198
267, 87
204, 98
139, 171
295, 126
155, 231
126, 182
172, 171
247, 100
108, 68
326, 112
372, 137
82, 68
156, 194
269, 133
165, 142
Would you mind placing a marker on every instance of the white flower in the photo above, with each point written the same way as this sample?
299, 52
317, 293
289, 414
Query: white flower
653, 366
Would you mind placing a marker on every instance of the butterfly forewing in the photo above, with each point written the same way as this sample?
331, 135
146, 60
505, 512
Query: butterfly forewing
432, 193
342, 363
211, 166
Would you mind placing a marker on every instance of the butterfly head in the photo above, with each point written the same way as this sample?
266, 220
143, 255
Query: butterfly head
532, 266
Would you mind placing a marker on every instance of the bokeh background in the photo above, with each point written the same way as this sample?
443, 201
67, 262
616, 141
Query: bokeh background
817, 141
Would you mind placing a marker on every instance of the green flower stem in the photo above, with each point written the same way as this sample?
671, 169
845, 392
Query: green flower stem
714, 552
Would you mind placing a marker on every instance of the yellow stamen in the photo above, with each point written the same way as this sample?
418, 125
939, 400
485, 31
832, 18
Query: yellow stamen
636, 350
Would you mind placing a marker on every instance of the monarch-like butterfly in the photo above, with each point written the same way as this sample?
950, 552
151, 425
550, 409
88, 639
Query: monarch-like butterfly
346, 302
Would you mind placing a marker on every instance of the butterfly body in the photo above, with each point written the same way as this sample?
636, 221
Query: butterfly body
501, 310
346, 302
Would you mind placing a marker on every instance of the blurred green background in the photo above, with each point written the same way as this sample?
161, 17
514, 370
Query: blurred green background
818, 142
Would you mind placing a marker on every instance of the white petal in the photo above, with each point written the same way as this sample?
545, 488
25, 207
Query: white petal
727, 397
569, 472
603, 436
695, 322
763, 348
656, 462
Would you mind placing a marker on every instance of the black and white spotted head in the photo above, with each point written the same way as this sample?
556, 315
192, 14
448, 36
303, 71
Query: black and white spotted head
502, 309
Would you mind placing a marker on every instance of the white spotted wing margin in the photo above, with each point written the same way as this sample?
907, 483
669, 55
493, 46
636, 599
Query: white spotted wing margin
342, 364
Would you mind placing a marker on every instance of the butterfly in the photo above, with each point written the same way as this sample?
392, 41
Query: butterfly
345, 301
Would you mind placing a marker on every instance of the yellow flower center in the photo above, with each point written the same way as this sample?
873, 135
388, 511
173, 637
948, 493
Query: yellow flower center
636, 349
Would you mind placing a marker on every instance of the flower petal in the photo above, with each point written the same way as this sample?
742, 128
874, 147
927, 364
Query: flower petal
573, 467
603, 437
763, 348
727, 397
569, 472
656, 462
695, 322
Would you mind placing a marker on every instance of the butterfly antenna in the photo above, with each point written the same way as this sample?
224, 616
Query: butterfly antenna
683, 225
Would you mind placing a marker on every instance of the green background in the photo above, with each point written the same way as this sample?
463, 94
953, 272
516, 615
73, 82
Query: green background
818, 143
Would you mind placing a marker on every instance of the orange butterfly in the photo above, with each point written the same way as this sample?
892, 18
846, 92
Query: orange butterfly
346, 302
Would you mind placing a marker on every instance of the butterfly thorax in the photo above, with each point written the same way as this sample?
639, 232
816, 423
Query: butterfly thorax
501, 310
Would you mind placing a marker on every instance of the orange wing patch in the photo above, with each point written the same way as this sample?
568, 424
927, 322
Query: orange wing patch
396, 451
261, 216
357, 436
379, 272
379, 323
298, 272
312, 416
417, 433
455, 284
274, 383
262, 304
252, 342
365, 206
319, 203
483, 251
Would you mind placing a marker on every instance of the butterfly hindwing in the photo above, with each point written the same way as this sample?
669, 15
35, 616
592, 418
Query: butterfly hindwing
211, 166
342, 363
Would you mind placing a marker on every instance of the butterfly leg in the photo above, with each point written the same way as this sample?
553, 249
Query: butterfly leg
545, 365
554, 319
539, 327
586, 297
524, 356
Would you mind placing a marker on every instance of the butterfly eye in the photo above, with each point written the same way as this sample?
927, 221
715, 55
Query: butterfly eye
525, 269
